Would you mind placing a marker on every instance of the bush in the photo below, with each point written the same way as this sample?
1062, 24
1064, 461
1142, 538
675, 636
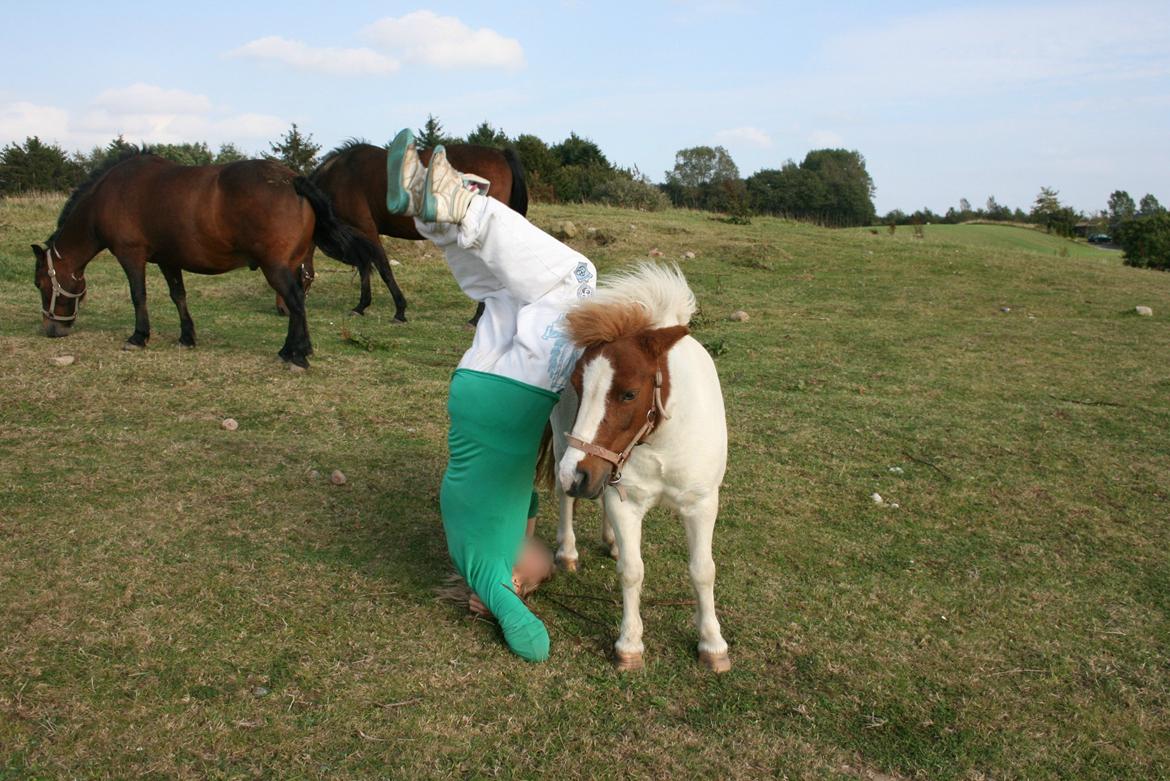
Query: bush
631, 193
1146, 241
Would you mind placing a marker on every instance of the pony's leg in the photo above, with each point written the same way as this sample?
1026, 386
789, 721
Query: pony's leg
627, 527
566, 539
382, 263
474, 321
365, 297
699, 519
135, 268
608, 542
297, 347
174, 278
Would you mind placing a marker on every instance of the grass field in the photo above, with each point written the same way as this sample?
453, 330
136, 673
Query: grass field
180, 601
1004, 238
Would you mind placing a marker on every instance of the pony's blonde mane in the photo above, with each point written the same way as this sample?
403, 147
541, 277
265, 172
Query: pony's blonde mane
649, 295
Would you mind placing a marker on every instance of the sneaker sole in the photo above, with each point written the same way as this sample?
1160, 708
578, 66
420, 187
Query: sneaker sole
430, 208
397, 197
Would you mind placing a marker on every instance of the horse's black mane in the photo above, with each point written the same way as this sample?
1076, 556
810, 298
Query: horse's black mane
92, 179
344, 146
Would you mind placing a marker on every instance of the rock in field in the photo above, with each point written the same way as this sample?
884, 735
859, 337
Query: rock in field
688, 255
565, 229
738, 316
229, 424
62, 360
1144, 311
655, 253
337, 478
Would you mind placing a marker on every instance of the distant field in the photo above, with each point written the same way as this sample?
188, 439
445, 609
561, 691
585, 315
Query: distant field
179, 601
1002, 237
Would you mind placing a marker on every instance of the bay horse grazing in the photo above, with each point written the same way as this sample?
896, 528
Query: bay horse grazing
648, 428
204, 219
354, 177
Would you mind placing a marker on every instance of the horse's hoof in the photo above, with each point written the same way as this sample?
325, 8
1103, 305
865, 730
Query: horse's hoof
610, 549
716, 663
356, 313
294, 368
627, 663
128, 346
186, 345
469, 327
567, 565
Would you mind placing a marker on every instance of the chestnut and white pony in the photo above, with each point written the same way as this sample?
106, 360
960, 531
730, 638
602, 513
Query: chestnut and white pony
642, 425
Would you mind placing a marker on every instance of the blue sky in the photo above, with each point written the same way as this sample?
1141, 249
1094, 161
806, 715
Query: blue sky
945, 100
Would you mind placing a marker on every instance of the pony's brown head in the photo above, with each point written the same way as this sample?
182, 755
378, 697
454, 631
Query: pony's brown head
62, 290
622, 383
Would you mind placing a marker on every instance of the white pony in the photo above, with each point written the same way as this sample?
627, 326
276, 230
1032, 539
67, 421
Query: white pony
642, 425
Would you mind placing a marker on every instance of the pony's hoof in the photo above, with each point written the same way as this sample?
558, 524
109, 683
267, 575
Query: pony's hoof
567, 565
716, 663
281, 311
294, 368
469, 327
128, 346
357, 313
186, 345
627, 663
398, 321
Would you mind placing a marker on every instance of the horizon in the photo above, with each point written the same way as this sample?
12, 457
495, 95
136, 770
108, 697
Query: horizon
944, 100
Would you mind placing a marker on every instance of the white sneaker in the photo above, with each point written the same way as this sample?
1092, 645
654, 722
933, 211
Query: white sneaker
447, 193
405, 175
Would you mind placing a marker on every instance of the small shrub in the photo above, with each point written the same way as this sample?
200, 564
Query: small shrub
632, 194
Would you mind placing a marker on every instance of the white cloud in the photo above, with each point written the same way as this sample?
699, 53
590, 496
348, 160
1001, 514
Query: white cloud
142, 113
143, 98
444, 42
751, 136
302, 56
22, 119
989, 49
825, 139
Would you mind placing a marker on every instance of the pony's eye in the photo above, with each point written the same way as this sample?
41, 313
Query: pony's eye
629, 395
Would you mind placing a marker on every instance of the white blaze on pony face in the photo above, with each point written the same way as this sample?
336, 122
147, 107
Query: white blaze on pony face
596, 381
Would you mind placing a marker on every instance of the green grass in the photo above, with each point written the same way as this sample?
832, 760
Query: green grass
178, 601
1001, 238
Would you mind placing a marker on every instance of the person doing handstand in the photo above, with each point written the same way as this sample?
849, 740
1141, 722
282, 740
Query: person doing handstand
507, 382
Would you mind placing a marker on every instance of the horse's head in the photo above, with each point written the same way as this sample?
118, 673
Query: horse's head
621, 386
62, 290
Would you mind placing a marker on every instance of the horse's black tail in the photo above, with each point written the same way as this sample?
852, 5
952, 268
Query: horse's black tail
519, 198
339, 240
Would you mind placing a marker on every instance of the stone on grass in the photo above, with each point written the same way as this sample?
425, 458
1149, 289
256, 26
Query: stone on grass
655, 253
312, 474
337, 478
688, 255
62, 360
877, 498
565, 229
738, 316
229, 424
394, 262
1144, 311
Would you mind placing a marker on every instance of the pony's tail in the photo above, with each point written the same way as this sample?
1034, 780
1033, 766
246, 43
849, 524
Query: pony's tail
546, 462
337, 239
518, 200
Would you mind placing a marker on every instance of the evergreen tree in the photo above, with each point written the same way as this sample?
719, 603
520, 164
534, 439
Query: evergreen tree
431, 134
486, 135
37, 166
296, 150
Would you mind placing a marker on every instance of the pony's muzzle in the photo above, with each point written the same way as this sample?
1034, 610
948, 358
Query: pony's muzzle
55, 329
586, 485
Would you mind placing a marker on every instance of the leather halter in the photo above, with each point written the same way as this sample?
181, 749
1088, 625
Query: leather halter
60, 292
618, 460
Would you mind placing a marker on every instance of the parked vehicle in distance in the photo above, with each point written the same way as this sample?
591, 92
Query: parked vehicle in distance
1100, 238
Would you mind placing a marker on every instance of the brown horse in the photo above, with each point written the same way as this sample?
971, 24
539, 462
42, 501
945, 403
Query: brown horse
354, 177
205, 219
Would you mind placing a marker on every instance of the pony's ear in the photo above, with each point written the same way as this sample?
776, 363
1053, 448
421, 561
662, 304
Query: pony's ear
659, 340
38, 250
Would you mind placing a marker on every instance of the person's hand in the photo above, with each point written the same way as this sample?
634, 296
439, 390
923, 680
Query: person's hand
476, 606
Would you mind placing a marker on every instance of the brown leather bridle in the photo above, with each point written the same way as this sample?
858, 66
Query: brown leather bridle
618, 460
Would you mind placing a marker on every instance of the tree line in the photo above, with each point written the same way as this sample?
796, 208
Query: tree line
830, 186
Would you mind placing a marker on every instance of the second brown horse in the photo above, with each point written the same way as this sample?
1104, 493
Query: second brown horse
354, 177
